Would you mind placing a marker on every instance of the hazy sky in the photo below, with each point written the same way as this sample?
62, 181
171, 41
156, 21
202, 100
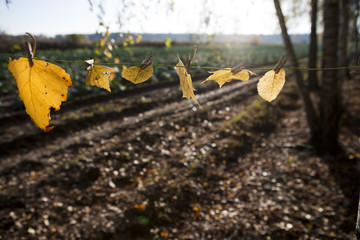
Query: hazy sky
51, 17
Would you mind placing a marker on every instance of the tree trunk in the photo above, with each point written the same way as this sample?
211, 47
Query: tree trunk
311, 115
312, 78
330, 108
343, 39
355, 33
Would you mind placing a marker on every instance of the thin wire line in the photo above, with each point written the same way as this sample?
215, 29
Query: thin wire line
328, 68
193, 66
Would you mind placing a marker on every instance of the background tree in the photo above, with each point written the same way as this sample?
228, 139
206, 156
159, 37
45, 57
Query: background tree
354, 11
323, 123
343, 37
330, 105
312, 79
311, 115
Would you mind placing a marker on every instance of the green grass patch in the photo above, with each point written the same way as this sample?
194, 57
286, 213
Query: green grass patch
259, 116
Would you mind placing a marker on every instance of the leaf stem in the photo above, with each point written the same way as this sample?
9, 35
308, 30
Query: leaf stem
280, 64
34, 39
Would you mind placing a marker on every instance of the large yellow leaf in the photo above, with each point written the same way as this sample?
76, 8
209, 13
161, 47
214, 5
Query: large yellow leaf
137, 74
41, 87
223, 76
270, 85
99, 75
185, 81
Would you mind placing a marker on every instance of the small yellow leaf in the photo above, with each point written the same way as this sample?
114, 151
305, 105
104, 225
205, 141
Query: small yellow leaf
137, 74
108, 54
225, 75
99, 75
270, 85
185, 81
102, 42
138, 38
41, 86
168, 43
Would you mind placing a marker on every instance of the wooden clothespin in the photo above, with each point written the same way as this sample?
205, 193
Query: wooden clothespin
237, 68
147, 62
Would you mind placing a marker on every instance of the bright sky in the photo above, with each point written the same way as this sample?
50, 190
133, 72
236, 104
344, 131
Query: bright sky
52, 17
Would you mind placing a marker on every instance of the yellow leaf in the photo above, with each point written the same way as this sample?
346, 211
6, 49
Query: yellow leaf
41, 86
138, 38
168, 43
108, 54
102, 42
138, 74
99, 75
185, 81
225, 75
270, 85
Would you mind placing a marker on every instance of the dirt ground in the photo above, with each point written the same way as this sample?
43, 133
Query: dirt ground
144, 164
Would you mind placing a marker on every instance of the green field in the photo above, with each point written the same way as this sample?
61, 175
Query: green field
208, 57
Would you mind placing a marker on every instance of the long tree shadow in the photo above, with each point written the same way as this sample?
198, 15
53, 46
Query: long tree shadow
347, 176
